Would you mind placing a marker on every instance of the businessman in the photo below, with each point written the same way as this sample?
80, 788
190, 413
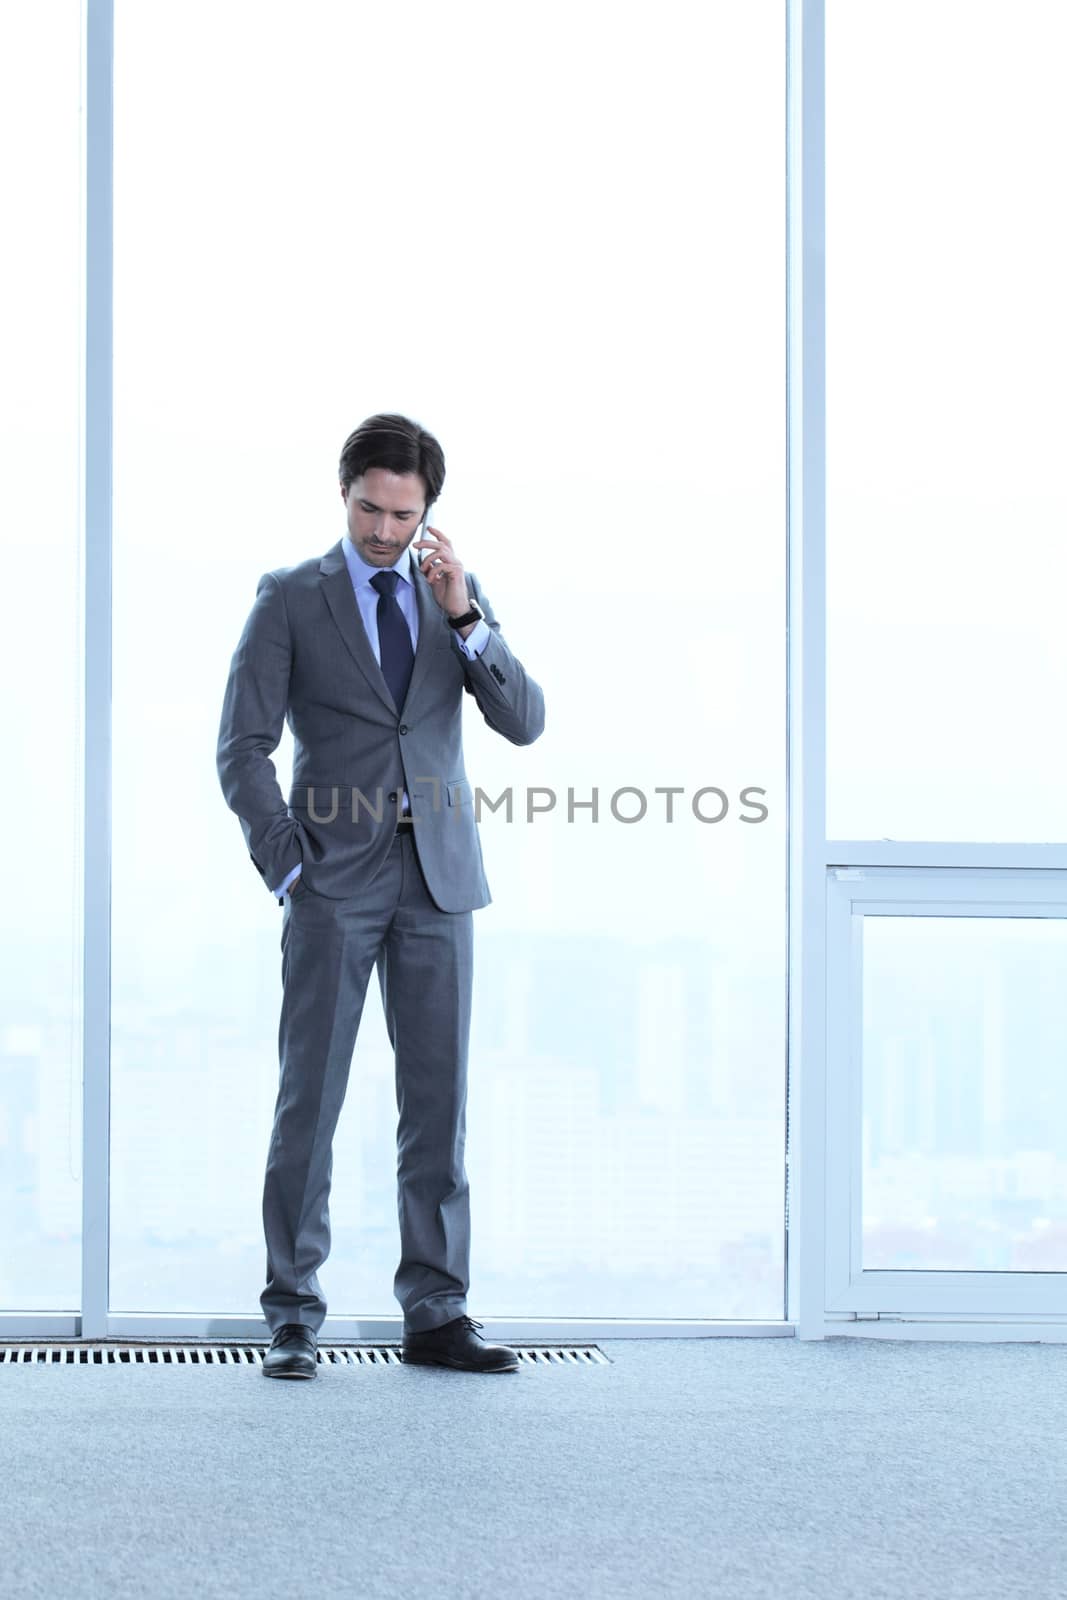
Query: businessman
366, 652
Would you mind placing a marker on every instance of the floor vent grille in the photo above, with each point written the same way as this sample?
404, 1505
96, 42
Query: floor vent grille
251, 1355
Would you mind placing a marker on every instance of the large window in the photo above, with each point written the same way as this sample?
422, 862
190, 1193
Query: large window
556, 237
40, 657
946, 252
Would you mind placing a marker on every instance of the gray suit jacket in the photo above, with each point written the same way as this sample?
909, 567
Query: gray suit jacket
304, 658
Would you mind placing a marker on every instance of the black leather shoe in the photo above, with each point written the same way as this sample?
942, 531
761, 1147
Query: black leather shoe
293, 1352
455, 1344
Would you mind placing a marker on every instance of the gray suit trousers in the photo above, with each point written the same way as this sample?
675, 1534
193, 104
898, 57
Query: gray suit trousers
425, 971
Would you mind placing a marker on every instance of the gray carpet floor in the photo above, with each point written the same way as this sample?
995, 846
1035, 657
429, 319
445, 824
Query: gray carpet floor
734, 1467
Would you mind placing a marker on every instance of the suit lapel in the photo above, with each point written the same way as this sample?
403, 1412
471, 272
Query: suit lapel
432, 628
341, 599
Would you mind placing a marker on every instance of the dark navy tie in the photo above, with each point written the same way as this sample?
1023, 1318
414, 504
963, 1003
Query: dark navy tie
394, 638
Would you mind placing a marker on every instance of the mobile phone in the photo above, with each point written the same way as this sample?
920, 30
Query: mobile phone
423, 531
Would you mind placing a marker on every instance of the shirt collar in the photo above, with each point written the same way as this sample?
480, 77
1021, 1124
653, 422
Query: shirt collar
362, 572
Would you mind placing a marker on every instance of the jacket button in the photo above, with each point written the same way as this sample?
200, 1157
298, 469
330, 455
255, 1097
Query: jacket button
392, 794
403, 728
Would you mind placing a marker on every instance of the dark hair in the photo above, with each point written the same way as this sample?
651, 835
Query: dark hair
398, 444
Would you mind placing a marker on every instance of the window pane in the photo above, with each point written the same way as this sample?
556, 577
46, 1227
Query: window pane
946, 255
40, 658
568, 262
964, 1035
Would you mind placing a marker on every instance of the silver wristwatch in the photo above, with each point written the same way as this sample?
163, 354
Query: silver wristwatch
472, 615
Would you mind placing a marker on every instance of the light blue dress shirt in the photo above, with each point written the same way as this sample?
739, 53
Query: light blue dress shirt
361, 573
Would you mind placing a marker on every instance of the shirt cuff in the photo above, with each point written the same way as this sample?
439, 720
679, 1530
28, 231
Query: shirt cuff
287, 880
476, 640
